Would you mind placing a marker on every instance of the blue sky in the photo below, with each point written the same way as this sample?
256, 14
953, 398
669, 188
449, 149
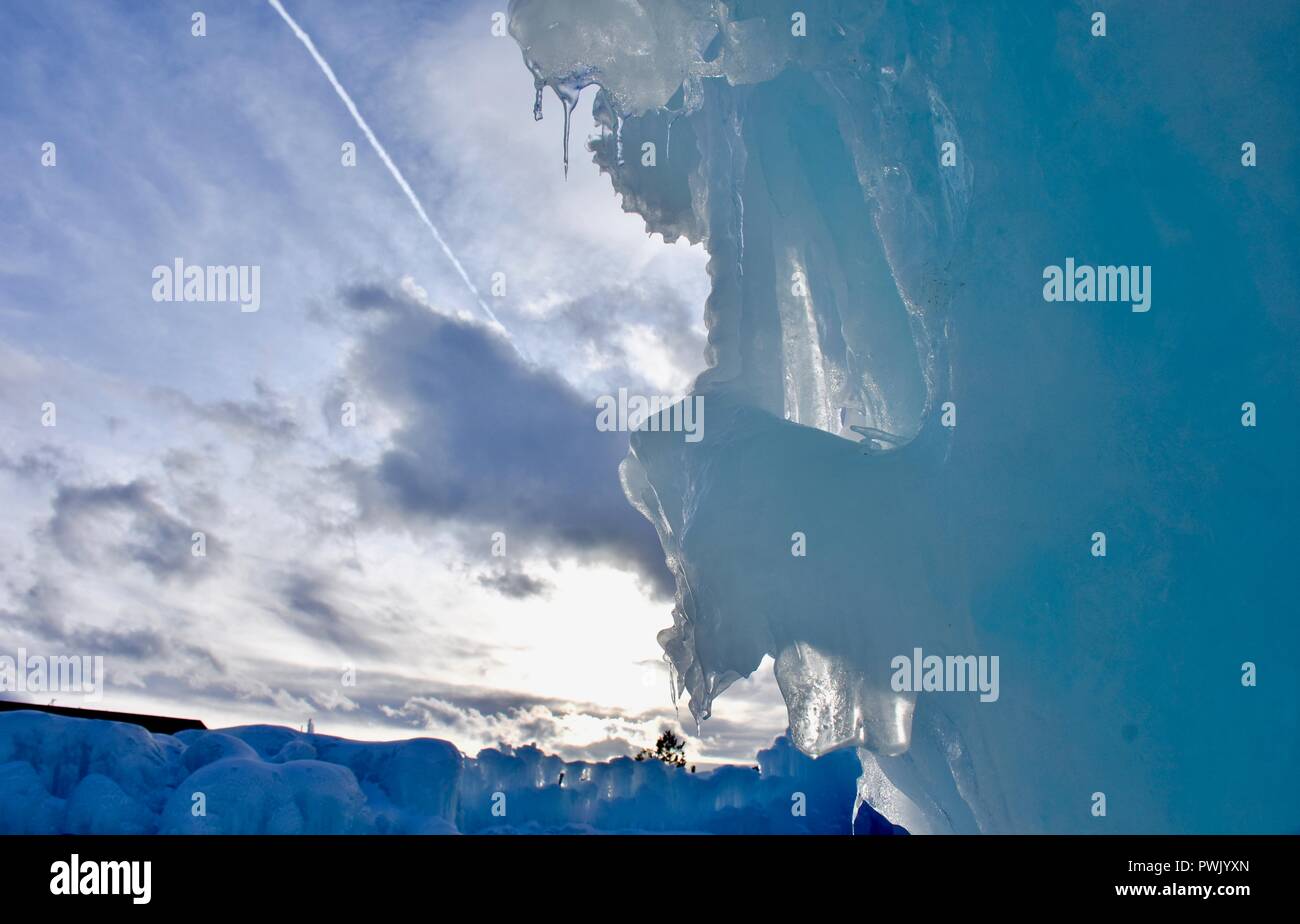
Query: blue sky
331, 547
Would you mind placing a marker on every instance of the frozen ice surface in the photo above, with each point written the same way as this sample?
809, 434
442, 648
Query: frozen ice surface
63, 775
860, 287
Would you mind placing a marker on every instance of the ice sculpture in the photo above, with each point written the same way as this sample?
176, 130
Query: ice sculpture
880, 186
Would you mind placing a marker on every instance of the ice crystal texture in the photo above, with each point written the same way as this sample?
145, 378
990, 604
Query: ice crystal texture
887, 379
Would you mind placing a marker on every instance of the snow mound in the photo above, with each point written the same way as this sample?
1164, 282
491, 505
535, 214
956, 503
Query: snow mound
61, 775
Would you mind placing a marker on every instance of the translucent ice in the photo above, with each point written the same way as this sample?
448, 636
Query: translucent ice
909, 450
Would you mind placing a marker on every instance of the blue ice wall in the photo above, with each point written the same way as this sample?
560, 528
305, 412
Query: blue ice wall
868, 280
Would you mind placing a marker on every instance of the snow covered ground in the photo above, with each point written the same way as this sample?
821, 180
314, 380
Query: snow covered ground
81, 776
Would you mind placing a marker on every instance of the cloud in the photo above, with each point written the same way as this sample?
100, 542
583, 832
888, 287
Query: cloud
514, 584
181, 418
265, 417
571, 730
489, 442
124, 523
41, 464
38, 621
643, 335
309, 607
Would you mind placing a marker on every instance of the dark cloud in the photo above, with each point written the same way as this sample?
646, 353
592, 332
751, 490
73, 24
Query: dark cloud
135, 644
154, 537
309, 607
515, 584
489, 441
44, 463
39, 621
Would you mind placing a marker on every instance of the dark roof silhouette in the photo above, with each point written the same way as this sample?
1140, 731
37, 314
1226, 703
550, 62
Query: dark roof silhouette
160, 724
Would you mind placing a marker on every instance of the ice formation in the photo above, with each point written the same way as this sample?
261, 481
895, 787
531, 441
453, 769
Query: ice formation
879, 186
81, 776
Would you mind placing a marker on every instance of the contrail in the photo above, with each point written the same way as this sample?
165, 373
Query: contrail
383, 155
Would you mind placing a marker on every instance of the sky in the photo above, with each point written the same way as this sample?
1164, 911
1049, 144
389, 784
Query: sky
348, 575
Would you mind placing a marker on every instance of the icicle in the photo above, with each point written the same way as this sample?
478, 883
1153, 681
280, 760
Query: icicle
568, 111
537, 103
568, 95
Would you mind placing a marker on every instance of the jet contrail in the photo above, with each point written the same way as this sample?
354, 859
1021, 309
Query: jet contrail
383, 155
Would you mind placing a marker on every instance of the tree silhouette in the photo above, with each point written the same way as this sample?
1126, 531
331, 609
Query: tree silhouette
669, 748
